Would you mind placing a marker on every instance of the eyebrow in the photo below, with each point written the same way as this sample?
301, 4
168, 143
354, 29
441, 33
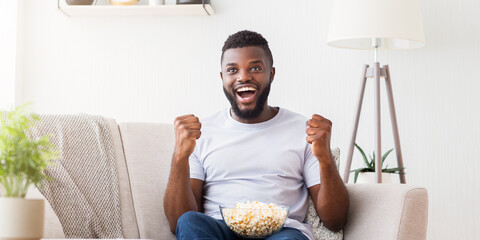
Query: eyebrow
252, 62
230, 64
256, 61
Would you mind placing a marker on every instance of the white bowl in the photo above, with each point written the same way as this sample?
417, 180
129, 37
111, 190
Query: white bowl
255, 222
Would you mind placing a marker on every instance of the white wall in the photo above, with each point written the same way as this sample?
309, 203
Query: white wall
155, 68
8, 43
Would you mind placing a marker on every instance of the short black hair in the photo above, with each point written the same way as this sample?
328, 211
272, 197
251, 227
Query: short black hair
247, 38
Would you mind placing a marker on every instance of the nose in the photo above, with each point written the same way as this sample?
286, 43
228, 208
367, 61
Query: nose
243, 76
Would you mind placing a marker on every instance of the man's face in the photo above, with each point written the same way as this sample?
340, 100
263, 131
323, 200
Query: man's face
247, 76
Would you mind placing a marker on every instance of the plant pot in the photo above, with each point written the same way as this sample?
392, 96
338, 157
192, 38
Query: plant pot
369, 177
81, 2
123, 2
191, 2
21, 218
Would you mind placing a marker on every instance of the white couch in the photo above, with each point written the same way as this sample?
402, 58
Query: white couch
143, 152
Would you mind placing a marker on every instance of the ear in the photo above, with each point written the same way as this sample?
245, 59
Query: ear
272, 74
221, 75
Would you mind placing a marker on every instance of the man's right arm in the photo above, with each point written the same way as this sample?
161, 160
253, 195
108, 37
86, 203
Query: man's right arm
183, 194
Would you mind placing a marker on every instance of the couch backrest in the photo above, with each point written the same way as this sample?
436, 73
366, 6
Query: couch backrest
148, 149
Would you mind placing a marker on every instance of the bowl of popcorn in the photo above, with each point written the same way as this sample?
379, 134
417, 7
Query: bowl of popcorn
255, 219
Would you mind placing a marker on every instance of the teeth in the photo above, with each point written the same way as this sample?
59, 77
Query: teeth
244, 89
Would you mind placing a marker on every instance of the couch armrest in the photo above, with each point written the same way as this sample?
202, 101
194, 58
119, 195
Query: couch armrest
386, 211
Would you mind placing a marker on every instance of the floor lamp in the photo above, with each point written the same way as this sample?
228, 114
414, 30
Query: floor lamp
376, 24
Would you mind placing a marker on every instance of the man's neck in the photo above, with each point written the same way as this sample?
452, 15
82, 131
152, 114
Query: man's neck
267, 114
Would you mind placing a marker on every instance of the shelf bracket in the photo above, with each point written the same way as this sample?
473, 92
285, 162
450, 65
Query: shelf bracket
204, 8
61, 10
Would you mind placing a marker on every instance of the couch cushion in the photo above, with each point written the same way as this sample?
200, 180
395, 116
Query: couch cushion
129, 222
387, 212
148, 150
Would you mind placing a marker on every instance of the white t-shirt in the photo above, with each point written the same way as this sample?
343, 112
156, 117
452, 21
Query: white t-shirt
269, 162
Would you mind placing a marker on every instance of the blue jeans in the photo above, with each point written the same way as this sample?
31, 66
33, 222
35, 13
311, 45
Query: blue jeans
198, 226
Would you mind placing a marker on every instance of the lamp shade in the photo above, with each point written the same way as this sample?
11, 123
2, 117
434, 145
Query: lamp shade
397, 23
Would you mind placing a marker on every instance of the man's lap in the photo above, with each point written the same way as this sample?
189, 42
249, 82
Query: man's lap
195, 225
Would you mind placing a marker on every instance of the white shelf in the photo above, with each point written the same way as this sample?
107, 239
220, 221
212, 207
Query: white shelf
137, 10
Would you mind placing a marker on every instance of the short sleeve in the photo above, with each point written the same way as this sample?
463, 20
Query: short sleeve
311, 168
196, 167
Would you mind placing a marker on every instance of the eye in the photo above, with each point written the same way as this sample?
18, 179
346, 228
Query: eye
231, 70
256, 68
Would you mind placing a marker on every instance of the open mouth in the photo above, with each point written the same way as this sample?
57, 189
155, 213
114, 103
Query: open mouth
246, 94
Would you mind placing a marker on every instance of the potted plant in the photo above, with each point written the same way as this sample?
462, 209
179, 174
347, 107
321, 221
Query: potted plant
367, 173
23, 161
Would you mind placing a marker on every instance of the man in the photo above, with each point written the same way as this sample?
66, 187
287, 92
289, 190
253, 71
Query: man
251, 152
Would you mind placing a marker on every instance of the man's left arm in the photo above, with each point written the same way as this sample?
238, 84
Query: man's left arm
330, 197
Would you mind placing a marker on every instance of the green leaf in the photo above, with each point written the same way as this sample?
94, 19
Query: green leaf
386, 154
362, 170
23, 160
363, 155
355, 176
392, 170
370, 165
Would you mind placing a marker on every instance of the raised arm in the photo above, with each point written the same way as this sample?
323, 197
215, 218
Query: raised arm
330, 197
183, 194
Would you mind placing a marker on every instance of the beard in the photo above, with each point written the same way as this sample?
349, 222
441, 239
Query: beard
249, 114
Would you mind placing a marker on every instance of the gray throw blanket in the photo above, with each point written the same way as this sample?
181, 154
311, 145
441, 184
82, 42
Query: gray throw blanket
84, 191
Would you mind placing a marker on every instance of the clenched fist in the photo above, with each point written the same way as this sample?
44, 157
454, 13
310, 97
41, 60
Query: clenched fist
318, 131
187, 131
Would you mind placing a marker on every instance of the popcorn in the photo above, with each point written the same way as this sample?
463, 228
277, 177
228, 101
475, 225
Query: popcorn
255, 219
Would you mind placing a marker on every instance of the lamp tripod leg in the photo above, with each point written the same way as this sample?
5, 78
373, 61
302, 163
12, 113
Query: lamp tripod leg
348, 165
377, 122
393, 118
